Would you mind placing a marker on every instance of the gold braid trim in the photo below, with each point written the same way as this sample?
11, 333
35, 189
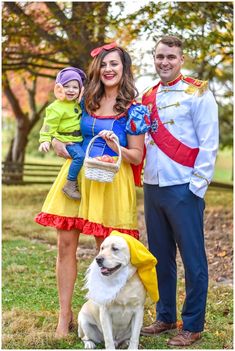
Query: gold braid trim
148, 91
198, 87
199, 176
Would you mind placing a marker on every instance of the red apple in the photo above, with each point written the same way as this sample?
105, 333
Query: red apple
105, 158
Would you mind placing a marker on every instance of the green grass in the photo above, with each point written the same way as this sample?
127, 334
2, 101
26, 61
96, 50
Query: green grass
29, 294
49, 158
224, 166
219, 322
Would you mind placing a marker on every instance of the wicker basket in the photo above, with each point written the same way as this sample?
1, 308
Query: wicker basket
98, 170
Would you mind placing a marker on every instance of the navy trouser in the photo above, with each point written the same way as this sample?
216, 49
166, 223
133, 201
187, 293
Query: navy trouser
75, 150
174, 217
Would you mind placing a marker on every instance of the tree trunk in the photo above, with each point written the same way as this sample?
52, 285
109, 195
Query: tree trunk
20, 141
14, 161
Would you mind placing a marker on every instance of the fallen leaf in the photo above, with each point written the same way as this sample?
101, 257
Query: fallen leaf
222, 254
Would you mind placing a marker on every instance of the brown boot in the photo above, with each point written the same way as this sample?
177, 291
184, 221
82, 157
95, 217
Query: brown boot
157, 328
70, 190
184, 338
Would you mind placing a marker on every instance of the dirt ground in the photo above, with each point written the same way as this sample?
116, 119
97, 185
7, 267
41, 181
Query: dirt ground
219, 244
218, 240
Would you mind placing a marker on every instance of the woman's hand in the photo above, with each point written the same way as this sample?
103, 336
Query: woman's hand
60, 148
109, 136
80, 95
133, 153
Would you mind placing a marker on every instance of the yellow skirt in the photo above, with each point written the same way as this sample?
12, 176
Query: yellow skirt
103, 207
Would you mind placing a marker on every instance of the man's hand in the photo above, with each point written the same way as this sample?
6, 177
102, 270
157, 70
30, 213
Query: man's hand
44, 147
60, 148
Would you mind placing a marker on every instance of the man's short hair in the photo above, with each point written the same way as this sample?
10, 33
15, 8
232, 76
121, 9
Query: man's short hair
171, 40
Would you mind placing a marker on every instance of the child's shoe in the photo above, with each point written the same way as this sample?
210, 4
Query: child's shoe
70, 189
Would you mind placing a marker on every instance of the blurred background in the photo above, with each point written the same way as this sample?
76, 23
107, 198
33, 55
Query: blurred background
40, 38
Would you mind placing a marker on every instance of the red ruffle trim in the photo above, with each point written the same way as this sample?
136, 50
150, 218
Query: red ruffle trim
86, 227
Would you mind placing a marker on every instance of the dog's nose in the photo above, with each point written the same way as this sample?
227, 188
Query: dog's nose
99, 260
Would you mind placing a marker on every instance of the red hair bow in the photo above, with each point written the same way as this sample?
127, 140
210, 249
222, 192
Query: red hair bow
107, 47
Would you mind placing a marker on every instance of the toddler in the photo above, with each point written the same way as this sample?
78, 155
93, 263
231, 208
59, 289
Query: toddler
62, 121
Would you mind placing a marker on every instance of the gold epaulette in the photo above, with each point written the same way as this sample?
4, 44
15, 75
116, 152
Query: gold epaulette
137, 100
195, 86
147, 91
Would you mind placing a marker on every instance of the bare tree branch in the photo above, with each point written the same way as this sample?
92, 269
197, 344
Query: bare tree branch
51, 38
57, 13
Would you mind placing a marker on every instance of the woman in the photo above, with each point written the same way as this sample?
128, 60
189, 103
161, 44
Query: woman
108, 109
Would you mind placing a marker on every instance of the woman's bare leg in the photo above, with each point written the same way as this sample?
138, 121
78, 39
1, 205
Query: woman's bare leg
98, 241
66, 273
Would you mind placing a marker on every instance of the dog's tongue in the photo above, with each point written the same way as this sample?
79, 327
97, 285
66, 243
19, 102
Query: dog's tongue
104, 270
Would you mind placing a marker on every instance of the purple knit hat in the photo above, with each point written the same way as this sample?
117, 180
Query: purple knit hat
70, 73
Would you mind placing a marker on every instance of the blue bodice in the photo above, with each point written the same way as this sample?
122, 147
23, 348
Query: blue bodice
135, 122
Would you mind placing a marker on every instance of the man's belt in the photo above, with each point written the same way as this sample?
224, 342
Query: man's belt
75, 133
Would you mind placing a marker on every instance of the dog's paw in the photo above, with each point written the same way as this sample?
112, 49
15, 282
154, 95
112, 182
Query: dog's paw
122, 345
89, 345
133, 345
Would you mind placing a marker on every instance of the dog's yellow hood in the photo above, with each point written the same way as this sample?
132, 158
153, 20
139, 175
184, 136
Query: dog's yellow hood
145, 263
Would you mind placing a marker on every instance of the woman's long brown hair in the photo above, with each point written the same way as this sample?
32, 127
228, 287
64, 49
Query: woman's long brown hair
95, 89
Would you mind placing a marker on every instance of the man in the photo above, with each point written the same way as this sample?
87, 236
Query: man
181, 152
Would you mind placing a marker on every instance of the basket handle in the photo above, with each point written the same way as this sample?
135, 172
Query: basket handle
115, 139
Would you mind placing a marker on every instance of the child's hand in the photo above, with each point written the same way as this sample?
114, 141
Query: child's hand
45, 146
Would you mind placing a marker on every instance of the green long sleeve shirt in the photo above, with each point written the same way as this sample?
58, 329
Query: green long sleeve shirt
61, 117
